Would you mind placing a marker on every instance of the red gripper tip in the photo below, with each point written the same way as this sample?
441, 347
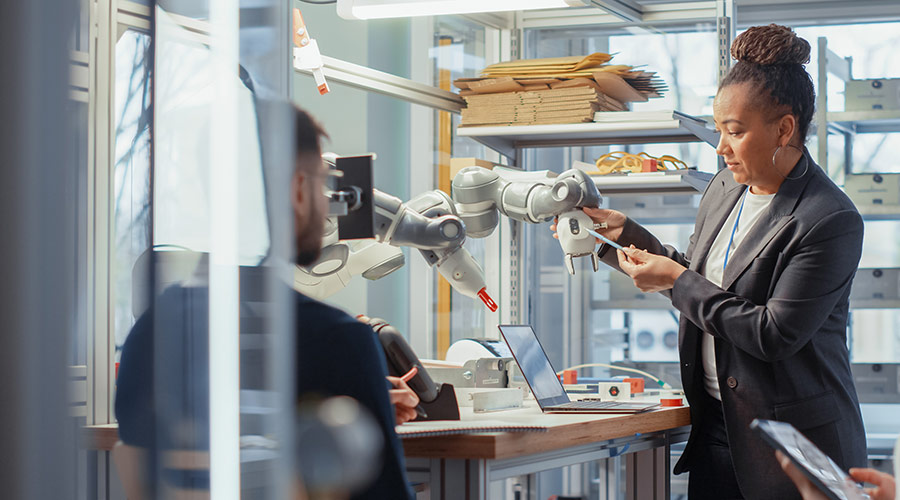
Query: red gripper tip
488, 301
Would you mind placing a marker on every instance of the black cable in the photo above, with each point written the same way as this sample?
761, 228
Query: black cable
318, 2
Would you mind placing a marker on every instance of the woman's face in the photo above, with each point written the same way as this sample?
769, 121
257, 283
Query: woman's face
747, 138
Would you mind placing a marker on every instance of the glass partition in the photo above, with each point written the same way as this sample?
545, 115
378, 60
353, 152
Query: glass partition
132, 174
460, 50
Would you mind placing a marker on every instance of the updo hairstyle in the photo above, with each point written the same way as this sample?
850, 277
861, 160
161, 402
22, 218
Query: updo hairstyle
771, 58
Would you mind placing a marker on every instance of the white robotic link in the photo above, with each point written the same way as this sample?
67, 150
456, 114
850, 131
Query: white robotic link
481, 195
340, 261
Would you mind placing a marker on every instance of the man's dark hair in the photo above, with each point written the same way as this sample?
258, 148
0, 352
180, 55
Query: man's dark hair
308, 134
771, 58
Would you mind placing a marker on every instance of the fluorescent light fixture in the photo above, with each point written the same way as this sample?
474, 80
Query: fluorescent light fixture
379, 9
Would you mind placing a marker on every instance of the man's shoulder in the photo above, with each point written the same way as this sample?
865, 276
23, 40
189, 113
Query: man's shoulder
313, 315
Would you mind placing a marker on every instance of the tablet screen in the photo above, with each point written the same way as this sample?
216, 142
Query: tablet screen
820, 469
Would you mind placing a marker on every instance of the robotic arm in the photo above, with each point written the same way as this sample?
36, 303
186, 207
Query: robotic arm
427, 222
481, 195
437, 226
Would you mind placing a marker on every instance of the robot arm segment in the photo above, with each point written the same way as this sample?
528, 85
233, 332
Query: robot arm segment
429, 222
531, 197
399, 224
481, 195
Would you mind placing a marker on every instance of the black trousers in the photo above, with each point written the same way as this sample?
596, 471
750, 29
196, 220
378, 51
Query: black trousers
712, 472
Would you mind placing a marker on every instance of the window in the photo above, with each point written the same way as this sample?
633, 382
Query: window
131, 202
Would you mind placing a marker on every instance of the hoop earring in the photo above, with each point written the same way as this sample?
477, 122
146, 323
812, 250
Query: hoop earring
787, 177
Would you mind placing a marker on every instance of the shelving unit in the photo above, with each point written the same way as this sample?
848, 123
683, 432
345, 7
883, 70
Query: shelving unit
872, 288
628, 128
668, 182
845, 123
865, 122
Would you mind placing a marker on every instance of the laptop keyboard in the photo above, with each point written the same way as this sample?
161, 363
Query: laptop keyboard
588, 405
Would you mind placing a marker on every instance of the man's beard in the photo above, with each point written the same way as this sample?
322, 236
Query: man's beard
309, 241
308, 257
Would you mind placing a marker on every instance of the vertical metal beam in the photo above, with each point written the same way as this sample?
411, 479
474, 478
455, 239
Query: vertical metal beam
445, 142
494, 276
652, 464
725, 27
515, 234
101, 351
224, 340
421, 179
274, 70
36, 251
822, 104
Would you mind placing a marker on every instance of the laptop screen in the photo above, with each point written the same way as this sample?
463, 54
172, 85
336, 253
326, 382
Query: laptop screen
535, 365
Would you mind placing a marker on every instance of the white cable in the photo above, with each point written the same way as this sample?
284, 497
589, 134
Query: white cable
662, 384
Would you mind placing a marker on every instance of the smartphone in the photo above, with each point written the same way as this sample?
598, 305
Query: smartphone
815, 465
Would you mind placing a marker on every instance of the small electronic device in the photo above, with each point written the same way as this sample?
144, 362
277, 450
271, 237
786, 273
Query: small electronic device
356, 182
545, 385
815, 465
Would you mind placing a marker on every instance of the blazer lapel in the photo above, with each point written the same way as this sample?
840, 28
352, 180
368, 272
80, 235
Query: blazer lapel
715, 221
772, 221
759, 236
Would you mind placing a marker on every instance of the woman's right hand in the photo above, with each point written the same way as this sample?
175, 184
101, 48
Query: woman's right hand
614, 220
885, 484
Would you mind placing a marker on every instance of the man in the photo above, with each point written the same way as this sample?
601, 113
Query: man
354, 365
336, 355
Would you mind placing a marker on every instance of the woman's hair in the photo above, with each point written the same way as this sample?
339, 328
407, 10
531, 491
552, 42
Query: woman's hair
771, 59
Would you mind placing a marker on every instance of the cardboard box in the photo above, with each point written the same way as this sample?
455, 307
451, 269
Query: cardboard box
866, 95
873, 189
457, 164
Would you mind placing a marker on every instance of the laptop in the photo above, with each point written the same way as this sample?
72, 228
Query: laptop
545, 385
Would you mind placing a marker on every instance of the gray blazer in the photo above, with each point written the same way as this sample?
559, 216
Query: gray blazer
779, 322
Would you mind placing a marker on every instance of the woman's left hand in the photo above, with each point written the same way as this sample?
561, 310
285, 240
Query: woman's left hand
650, 272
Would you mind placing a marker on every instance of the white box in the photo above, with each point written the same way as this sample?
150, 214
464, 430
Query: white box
873, 189
866, 95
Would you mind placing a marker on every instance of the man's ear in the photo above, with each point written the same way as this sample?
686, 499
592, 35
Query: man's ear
787, 126
297, 195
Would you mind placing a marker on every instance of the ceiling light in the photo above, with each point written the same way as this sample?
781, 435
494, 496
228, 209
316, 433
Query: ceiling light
379, 9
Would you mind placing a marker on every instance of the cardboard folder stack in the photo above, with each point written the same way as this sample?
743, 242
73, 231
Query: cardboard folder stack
555, 90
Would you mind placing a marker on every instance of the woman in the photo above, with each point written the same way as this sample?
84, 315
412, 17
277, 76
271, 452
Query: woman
764, 284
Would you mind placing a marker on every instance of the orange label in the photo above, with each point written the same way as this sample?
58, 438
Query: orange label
301, 35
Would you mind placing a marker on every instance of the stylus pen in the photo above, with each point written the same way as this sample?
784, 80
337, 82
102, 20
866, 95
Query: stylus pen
604, 239
406, 377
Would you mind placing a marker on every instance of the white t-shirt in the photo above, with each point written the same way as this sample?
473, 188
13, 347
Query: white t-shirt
714, 269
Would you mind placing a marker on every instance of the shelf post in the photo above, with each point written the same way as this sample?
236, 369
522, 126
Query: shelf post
822, 104
725, 21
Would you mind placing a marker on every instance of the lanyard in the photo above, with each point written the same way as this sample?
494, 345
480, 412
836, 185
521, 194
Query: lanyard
734, 230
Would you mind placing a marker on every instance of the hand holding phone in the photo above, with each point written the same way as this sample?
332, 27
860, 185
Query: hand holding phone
819, 469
